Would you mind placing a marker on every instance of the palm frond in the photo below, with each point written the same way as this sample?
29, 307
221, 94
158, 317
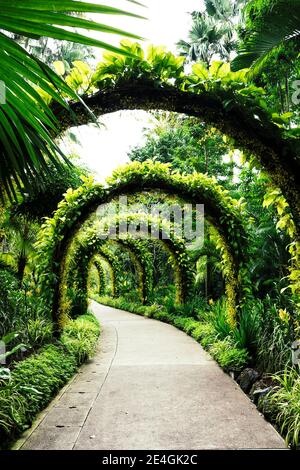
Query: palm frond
280, 25
26, 121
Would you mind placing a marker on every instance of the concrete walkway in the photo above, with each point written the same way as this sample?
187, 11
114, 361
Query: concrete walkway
150, 386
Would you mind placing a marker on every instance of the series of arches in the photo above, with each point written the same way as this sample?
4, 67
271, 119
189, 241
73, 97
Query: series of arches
221, 211
94, 242
240, 117
243, 120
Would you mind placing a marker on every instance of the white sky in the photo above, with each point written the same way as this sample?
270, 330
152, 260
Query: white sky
104, 149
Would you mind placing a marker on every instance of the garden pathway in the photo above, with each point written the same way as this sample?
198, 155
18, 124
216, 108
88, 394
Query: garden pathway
150, 386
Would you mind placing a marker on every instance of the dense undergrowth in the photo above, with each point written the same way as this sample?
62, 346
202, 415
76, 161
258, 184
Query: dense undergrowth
34, 365
23, 325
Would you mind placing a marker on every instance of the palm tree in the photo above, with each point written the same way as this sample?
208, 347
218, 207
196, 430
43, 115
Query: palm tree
213, 32
49, 51
205, 40
22, 235
26, 122
275, 26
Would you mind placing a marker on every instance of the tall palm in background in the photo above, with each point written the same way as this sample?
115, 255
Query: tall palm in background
213, 31
22, 235
26, 122
49, 51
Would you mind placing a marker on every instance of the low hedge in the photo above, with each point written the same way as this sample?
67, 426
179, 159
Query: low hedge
37, 379
225, 352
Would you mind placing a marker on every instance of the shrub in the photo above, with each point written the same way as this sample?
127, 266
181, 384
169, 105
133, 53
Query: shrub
163, 316
39, 331
274, 339
219, 319
228, 355
204, 331
20, 312
184, 323
247, 333
282, 405
80, 337
35, 380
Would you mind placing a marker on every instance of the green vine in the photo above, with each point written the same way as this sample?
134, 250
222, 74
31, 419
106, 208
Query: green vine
225, 213
101, 273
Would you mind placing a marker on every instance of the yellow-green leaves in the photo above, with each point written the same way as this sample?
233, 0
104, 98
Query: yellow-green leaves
59, 67
79, 78
200, 71
286, 223
156, 64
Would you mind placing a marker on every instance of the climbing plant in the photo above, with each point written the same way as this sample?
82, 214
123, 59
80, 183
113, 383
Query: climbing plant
274, 197
222, 211
218, 96
93, 239
81, 255
101, 274
141, 258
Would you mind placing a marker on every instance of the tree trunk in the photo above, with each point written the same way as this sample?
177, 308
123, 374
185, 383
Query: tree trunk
21, 267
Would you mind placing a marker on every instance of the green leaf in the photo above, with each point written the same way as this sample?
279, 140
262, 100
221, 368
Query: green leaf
59, 67
200, 71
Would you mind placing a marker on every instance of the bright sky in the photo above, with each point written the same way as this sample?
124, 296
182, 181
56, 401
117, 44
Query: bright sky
104, 149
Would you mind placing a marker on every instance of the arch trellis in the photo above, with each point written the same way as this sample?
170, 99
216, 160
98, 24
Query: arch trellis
101, 275
114, 268
74, 294
92, 242
57, 233
141, 258
223, 101
174, 245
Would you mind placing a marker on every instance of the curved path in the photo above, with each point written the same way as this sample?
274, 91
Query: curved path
150, 386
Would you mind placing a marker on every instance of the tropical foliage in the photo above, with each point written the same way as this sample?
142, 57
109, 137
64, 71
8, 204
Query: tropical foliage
26, 141
235, 150
213, 31
270, 26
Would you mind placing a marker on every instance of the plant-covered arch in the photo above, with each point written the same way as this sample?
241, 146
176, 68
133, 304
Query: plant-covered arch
83, 251
174, 245
57, 233
93, 240
218, 96
101, 275
115, 268
75, 281
141, 259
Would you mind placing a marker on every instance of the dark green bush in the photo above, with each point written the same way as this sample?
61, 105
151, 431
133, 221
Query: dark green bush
80, 337
20, 313
35, 380
282, 405
204, 331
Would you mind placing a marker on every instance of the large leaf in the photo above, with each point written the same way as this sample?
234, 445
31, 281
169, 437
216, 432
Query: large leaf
280, 24
26, 121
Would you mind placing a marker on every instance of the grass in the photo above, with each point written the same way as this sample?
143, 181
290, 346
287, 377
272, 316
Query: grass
282, 405
37, 379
